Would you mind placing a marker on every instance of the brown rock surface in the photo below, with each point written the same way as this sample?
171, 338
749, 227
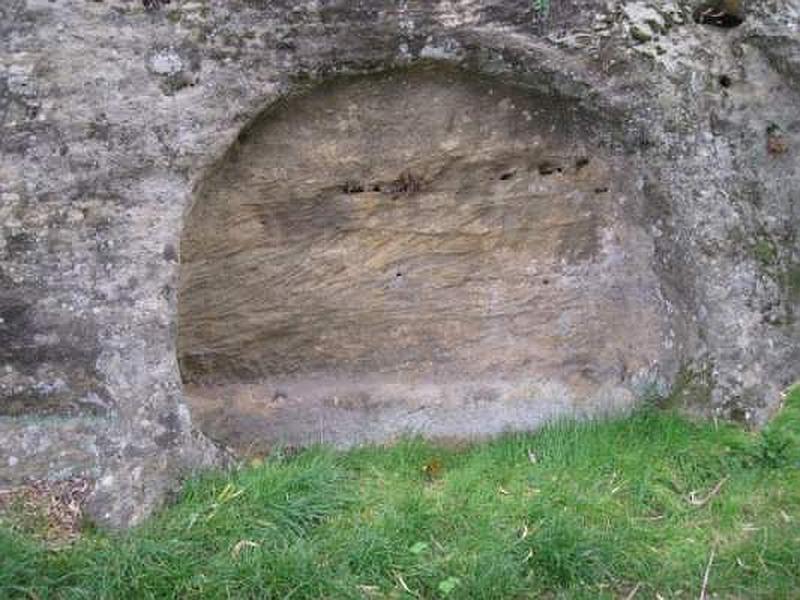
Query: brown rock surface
383, 253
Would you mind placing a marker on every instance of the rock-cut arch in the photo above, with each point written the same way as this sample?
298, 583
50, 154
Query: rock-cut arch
423, 250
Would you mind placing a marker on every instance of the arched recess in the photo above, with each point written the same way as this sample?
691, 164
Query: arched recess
425, 250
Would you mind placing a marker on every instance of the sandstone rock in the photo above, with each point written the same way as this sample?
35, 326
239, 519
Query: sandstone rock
235, 186
409, 251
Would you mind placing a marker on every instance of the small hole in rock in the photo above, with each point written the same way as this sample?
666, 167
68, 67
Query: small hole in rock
725, 81
600, 190
545, 281
507, 176
581, 162
548, 168
719, 13
407, 183
376, 188
352, 187
398, 274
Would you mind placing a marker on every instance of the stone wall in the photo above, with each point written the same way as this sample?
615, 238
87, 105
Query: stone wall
120, 126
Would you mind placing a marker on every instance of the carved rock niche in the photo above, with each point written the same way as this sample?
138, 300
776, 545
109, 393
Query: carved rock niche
423, 251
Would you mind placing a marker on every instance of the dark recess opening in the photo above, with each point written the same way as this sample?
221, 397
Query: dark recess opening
548, 168
720, 13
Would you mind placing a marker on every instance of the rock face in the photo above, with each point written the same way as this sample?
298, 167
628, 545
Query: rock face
424, 250
287, 222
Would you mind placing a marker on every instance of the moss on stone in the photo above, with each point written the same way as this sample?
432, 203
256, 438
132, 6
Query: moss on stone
692, 387
765, 251
174, 15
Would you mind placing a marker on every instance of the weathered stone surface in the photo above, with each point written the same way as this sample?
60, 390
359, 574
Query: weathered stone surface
116, 120
424, 250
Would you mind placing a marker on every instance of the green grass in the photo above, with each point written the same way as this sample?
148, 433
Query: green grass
604, 508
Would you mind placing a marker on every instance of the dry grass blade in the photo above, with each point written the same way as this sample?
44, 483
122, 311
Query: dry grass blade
402, 583
369, 590
633, 591
242, 545
699, 502
705, 576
